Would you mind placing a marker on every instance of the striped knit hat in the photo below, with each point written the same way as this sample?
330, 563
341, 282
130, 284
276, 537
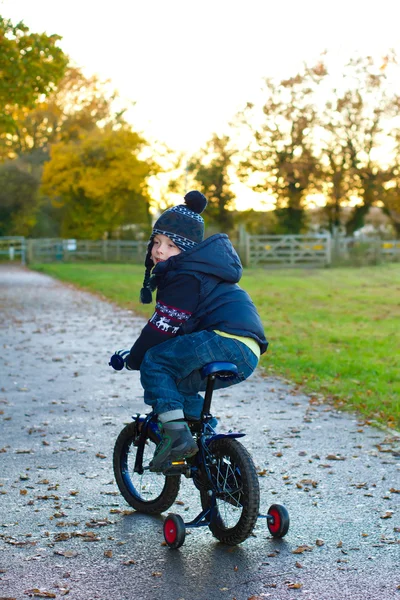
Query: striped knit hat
183, 225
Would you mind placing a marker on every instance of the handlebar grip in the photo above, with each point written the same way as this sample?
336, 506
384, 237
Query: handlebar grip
117, 362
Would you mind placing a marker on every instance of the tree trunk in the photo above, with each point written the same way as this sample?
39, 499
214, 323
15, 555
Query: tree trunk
357, 219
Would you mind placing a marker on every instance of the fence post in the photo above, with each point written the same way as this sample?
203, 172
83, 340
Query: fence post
243, 249
104, 250
328, 249
292, 243
247, 250
29, 251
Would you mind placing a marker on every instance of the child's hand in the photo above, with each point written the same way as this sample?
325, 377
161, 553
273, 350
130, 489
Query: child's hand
118, 360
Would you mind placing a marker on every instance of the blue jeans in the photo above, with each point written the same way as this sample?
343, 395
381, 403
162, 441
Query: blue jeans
170, 372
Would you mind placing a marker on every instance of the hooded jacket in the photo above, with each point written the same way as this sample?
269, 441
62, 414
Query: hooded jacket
198, 290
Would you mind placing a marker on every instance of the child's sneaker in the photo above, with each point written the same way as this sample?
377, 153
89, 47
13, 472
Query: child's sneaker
176, 444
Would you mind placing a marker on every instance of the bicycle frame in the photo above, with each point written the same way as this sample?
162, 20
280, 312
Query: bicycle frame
149, 421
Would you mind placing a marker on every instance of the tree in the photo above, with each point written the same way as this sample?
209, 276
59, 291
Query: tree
337, 176
100, 181
76, 106
211, 170
281, 151
363, 113
31, 66
391, 193
18, 191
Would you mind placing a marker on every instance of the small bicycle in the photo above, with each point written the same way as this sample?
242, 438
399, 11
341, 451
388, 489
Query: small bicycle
222, 470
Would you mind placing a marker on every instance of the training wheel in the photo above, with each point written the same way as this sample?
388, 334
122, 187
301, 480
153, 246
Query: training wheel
279, 524
174, 531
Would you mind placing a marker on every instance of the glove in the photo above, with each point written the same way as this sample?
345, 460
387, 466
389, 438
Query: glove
118, 360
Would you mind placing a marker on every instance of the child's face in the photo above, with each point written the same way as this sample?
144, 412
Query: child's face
163, 248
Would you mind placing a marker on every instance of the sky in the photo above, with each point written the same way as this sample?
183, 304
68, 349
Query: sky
190, 66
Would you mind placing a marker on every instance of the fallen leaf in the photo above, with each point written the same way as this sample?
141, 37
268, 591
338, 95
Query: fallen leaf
388, 515
98, 523
295, 586
66, 553
302, 548
319, 542
39, 593
108, 553
61, 537
309, 482
335, 457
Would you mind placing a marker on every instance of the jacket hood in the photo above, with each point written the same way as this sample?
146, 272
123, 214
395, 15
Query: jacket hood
214, 256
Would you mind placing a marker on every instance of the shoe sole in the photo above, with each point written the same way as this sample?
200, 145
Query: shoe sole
168, 464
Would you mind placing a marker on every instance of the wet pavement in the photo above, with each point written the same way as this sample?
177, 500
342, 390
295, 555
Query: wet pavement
66, 531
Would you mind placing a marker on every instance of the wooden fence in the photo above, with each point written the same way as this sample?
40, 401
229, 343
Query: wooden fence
255, 251
13, 248
51, 250
286, 250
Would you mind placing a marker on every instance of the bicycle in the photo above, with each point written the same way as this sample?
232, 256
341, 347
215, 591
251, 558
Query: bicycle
222, 470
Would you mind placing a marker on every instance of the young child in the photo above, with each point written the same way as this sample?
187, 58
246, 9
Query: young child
201, 315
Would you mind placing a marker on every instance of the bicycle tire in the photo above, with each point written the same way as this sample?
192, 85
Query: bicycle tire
149, 493
235, 478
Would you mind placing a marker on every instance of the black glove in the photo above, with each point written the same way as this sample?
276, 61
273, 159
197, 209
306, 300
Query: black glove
118, 360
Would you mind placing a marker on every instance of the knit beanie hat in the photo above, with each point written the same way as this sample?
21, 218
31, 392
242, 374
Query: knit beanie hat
183, 225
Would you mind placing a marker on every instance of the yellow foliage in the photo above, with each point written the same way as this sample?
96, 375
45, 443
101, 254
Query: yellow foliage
101, 180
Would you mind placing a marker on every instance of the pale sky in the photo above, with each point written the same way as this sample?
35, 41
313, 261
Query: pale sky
190, 66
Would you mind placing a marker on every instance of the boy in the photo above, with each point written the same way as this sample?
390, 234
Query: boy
201, 316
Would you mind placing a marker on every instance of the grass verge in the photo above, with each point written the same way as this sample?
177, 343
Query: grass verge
334, 332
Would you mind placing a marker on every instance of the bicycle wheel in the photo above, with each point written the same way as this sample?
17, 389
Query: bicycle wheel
235, 480
150, 493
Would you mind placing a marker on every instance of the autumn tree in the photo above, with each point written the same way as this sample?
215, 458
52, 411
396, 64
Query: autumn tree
211, 170
390, 196
337, 156
358, 121
18, 192
77, 105
281, 151
101, 181
31, 65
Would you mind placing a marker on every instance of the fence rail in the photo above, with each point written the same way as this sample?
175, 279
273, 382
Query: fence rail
255, 251
50, 250
13, 248
288, 250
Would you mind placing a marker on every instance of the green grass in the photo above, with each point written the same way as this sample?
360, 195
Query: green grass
334, 332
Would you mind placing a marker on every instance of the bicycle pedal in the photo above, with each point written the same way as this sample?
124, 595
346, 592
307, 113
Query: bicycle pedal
176, 468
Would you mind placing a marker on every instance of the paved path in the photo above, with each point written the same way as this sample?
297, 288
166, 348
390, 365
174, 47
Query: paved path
61, 409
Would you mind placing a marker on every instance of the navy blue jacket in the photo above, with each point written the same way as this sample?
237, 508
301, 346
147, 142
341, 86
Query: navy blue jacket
197, 290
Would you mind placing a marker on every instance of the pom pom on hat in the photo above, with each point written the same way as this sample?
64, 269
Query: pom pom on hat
196, 201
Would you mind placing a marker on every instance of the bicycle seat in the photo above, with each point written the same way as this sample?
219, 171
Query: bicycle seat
221, 369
